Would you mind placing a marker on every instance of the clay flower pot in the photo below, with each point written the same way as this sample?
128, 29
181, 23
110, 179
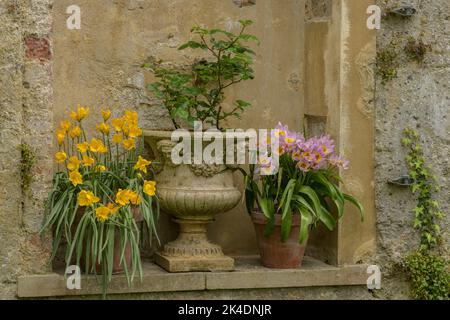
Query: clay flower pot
275, 253
118, 267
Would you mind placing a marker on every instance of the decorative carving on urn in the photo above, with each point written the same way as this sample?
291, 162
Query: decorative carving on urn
193, 194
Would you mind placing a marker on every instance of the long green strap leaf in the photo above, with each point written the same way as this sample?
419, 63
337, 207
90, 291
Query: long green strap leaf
290, 185
267, 207
306, 220
354, 201
286, 225
321, 213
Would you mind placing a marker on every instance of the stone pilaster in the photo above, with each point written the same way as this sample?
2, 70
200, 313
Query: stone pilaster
25, 117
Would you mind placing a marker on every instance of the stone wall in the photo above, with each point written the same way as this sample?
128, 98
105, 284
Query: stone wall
100, 64
45, 73
26, 111
418, 97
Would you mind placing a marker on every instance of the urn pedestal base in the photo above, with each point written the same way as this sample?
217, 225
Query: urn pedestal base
192, 251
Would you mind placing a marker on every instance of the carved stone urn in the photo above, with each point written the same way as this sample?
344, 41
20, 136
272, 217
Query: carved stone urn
192, 194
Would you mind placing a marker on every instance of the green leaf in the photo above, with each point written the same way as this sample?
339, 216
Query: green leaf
355, 202
327, 218
286, 225
215, 31
270, 226
289, 186
249, 37
246, 23
192, 45
287, 205
324, 216
267, 207
306, 220
301, 201
110, 250
332, 191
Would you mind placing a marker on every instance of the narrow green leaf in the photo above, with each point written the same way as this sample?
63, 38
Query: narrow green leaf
354, 201
267, 207
306, 220
286, 225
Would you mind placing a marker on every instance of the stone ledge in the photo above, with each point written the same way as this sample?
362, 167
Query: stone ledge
248, 275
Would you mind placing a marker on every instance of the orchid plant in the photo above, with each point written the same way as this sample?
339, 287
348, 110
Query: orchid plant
99, 187
304, 181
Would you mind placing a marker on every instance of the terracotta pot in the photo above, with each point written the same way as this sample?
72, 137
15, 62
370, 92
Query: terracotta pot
275, 253
117, 266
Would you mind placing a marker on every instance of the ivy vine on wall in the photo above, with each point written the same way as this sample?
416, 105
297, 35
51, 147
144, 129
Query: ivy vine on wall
427, 266
27, 162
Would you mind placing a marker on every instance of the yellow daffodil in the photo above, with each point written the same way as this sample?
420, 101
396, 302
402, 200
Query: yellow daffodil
97, 146
122, 197
135, 199
60, 136
117, 138
65, 125
87, 198
135, 132
142, 164
75, 132
149, 187
73, 164
88, 161
100, 168
103, 128
129, 144
117, 123
126, 129
102, 213
76, 178
83, 147
131, 116
106, 114
60, 156
113, 208
80, 114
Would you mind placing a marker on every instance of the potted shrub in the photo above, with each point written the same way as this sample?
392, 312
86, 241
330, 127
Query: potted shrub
100, 194
288, 198
194, 193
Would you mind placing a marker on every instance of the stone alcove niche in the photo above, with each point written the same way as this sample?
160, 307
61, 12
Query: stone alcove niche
312, 62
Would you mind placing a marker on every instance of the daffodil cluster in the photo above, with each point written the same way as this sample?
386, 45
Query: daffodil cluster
110, 160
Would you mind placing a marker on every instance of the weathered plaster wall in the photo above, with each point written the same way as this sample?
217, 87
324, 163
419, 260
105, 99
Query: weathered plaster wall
419, 97
339, 94
100, 65
25, 117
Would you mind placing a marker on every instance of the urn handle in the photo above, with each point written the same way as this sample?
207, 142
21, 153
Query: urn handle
165, 149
